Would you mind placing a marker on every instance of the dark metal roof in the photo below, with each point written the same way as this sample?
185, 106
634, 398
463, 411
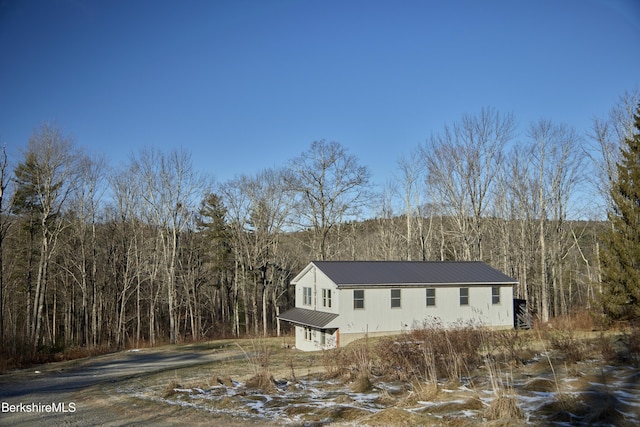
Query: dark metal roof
302, 316
360, 273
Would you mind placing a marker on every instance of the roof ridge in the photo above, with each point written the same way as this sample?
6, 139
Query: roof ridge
381, 260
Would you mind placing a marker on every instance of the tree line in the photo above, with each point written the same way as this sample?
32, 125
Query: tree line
155, 251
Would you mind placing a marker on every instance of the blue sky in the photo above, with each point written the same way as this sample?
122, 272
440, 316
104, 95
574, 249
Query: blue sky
246, 85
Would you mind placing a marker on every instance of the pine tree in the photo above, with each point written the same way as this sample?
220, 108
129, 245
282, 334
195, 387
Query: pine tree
621, 252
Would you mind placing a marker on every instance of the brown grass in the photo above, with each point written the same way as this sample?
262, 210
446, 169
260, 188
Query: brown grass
581, 320
171, 387
504, 408
568, 345
422, 392
262, 381
395, 417
362, 384
431, 352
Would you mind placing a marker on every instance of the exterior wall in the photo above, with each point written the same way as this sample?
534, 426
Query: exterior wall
378, 316
315, 343
317, 281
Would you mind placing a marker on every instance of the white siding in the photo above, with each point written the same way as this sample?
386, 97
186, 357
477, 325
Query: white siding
315, 341
378, 316
316, 280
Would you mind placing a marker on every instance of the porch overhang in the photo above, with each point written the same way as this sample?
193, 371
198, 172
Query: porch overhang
305, 317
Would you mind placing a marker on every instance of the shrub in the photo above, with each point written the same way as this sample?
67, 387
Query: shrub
504, 408
634, 341
604, 346
571, 348
362, 384
262, 381
171, 387
431, 352
582, 320
510, 344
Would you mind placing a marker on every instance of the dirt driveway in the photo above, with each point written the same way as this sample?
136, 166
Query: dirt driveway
69, 393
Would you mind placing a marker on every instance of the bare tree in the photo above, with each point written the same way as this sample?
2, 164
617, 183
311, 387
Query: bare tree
171, 190
462, 164
517, 206
558, 161
45, 180
412, 179
128, 242
330, 187
238, 205
258, 207
5, 223
85, 206
606, 136
387, 244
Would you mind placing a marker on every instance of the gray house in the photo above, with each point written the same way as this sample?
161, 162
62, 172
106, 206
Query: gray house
340, 301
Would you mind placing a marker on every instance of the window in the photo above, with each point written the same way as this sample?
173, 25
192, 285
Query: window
306, 296
326, 298
495, 294
307, 334
358, 298
395, 298
431, 297
464, 296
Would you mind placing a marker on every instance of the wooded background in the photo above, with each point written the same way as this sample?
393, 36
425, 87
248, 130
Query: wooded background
155, 252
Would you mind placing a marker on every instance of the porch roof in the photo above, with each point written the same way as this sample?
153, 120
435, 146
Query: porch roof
305, 317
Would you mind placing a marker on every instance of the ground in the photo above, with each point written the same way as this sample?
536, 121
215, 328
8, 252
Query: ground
266, 382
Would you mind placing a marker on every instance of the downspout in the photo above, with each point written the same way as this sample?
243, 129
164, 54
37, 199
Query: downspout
315, 290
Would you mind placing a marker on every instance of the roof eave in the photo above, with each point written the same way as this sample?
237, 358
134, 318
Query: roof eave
420, 285
302, 273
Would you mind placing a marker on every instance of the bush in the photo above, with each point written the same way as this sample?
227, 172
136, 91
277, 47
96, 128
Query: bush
504, 408
634, 341
171, 387
431, 352
571, 348
583, 320
510, 344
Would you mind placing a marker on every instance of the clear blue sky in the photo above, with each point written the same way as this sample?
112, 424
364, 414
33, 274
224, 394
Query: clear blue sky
246, 85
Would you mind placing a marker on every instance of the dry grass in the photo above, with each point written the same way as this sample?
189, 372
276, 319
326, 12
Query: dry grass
262, 381
422, 392
504, 407
424, 361
362, 384
431, 352
396, 417
568, 345
582, 320
171, 387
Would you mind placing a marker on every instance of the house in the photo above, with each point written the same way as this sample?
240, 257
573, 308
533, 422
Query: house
337, 302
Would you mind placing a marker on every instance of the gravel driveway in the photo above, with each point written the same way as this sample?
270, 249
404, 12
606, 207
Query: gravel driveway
59, 393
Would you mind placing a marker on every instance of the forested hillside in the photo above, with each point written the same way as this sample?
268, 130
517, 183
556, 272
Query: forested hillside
154, 251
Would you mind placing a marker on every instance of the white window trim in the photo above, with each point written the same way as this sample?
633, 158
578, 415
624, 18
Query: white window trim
427, 297
307, 296
498, 295
358, 299
326, 297
464, 296
398, 299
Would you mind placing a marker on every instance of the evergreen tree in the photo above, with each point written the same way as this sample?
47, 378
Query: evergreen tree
621, 254
212, 223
